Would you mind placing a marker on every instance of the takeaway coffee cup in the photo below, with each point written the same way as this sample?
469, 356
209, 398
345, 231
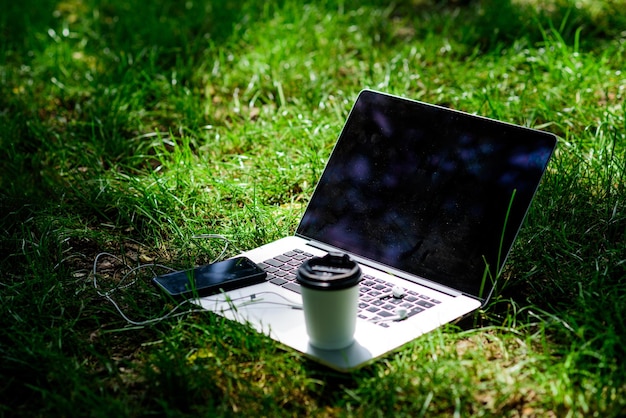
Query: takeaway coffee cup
330, 298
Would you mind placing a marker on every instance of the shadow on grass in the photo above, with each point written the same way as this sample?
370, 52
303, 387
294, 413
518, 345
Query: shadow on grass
45, 134
19, 21
140, 42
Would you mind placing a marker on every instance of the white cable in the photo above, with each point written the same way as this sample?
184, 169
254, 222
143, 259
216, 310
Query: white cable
131, 271
213, 236
401, 314
119, 286
172, 313
253, 299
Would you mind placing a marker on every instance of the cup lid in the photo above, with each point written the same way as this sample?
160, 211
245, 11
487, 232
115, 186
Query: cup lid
334, 271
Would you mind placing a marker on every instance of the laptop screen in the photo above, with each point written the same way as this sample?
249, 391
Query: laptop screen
427, 190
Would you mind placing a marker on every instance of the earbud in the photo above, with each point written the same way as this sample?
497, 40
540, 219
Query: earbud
402, 313
396, 292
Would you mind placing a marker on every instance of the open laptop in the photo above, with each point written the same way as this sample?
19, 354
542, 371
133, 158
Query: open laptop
426, 199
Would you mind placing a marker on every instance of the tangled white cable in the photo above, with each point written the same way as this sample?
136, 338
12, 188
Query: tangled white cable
247, 300
121, 285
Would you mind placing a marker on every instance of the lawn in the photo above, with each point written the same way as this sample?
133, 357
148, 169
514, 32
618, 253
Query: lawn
132, 133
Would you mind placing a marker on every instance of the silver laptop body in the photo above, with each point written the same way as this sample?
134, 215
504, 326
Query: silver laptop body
426, 199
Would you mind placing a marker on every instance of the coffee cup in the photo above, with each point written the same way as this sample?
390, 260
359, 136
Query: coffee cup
330, 299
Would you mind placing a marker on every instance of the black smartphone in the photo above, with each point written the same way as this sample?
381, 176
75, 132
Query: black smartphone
211, 279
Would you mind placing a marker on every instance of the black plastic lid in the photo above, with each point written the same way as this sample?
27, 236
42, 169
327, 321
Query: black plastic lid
334, 271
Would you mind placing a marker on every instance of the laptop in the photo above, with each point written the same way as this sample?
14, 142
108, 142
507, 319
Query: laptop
426, 199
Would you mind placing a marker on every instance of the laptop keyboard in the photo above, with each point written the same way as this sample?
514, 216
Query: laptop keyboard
379, 301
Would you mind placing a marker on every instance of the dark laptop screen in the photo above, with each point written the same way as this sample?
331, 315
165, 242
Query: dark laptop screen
427, 190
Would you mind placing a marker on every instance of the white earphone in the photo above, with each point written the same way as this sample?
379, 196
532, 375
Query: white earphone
401, 313
396, 292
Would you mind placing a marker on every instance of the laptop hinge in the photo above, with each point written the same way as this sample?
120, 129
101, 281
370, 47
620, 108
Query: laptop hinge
389, 270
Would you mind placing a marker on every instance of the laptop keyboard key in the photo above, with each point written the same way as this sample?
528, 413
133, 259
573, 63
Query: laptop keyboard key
293, 287
273, 262
425, 304
278, 281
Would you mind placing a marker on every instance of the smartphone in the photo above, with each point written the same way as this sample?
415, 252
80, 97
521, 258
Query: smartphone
213, 278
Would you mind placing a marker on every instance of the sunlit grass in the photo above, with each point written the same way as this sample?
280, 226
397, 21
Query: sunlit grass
131, 128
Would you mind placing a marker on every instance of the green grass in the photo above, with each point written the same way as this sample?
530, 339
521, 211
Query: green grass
130, 127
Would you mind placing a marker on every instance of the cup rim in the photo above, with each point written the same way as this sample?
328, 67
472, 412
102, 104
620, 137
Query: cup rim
334, 271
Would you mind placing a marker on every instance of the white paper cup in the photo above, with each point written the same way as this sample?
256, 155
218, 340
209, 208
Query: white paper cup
330, 299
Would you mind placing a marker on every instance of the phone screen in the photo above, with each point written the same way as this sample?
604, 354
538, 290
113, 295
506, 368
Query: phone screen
212, 278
